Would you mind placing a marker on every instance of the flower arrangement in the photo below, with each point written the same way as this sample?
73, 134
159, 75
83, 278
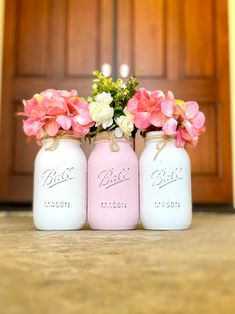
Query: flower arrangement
114, 106
108, 106
54, 110
155, 111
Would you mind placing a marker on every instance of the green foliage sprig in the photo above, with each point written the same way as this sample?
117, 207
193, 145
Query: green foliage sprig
120, 91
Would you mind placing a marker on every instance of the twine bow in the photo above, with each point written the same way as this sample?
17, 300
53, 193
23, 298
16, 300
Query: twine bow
159, 147
113, 145
160, 144
110, 137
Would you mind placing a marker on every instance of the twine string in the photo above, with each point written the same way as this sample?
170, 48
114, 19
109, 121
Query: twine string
56, 140
160, 144
110, 137
113, 145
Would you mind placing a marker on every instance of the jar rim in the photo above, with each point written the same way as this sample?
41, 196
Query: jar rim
154, 133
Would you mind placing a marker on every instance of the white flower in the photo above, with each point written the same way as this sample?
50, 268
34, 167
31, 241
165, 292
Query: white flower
104, 98
125, 125
118, 132
100, 110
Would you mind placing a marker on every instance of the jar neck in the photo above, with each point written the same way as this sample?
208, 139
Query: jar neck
109, 138
51, 143
158, 136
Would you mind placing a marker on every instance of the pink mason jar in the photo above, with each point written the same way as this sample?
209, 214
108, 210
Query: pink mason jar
113, 196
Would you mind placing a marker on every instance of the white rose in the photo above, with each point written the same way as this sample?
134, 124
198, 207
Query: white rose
125, 125
101, 113
104, 98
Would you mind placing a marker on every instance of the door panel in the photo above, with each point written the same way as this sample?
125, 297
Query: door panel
48, 44
168, 44
30, 24
176, 45
149, 36
199, 44
81, 41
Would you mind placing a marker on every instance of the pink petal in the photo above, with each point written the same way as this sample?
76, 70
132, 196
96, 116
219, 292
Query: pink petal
64, 122
170, 95
158, 118
192, 132
49, 93
79, 130
191, 109
180, 142
202, 130
146, 105
142, 120
167, 107
199, 120
66, 94
84, 118
30, 105
190, 141
142, 93
31, 127
52, 128
132, 104
170, 126
185, 135
158, 95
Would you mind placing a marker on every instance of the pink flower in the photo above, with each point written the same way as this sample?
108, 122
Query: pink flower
64, 122
143, 105
54, 110
164, 117
80, 110
51, 127
31, 127
192, 124
154, 110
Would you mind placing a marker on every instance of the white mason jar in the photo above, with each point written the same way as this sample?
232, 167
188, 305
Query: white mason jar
165, 184
60, 178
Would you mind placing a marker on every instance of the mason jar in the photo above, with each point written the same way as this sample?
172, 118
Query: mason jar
113, 202
59, 199
165, 184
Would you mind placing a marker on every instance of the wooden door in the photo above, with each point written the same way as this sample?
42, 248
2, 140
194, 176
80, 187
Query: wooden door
48, 44
168, 44
183, 46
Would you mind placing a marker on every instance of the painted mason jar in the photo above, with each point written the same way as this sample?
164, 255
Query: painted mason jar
165, 184
59, 200
113, 202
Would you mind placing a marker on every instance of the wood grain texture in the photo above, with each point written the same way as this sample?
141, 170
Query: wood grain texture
32, 21
125, 34
199, 42
82, 31
149, 37
105, 44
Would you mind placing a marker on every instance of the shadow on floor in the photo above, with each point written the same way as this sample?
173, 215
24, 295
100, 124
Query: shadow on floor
213, 208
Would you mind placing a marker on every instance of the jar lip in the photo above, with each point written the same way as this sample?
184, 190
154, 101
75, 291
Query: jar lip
154, 133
